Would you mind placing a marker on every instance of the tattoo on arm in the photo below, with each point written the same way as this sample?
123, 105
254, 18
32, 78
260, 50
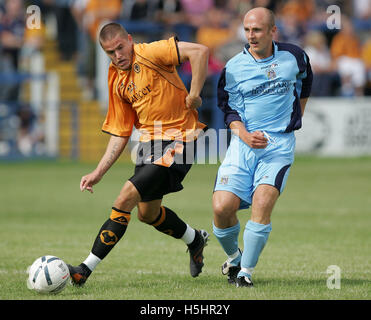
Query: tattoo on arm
112, 156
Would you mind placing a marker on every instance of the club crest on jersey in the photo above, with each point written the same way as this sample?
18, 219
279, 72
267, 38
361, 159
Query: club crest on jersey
271, 74
136, 67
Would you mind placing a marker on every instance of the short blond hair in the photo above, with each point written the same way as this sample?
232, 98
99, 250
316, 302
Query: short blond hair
110, 30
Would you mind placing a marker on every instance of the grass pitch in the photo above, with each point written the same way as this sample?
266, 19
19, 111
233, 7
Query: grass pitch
323, 218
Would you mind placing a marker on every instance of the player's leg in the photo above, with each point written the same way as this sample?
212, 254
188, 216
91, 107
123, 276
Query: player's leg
109, 234
270, 178
155, 181
168, 222
165, 220
264, 199
152, 182
257, 231
232, 191
226, 229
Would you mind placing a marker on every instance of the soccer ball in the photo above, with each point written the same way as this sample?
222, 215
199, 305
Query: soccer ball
48, 274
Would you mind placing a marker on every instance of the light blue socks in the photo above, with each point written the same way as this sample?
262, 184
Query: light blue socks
255, 237
228, 239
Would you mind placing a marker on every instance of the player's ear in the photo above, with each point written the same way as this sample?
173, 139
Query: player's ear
273, 30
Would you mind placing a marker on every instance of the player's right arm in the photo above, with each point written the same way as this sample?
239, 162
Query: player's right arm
255, 140
119, 123
197, 55
232, 119
114, 149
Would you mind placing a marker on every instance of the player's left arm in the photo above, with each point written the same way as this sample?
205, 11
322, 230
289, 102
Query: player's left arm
306, 84
197, 55
303, 103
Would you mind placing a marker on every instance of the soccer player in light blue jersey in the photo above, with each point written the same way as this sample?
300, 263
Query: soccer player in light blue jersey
263, 92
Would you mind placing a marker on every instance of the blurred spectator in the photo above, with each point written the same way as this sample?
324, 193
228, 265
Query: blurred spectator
239, 7
324, 69
12, 25
290, 30
291, 22
89, 15
34, 39
77, 10
362, 9
139, 9
292, 19
214, 32
320, 14
366, 57
170, 13
66, 28
235, 43
28, 134
33, 42
362, 15
346, 51
96, 12
273, 5
172, 16
195, 10
302, 10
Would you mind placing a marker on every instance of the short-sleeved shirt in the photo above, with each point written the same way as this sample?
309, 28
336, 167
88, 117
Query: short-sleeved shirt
151, 96
265, 94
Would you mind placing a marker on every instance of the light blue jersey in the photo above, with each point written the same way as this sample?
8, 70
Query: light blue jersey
264, 95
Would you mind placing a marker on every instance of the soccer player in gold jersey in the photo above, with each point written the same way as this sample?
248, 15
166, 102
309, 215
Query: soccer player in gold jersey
146, 92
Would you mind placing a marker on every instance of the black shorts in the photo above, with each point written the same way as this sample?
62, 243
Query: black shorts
161, 167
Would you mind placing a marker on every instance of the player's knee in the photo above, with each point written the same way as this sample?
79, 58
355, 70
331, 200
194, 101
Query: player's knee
225, 204
142, 217
128, 197
218, 209
148, 215
224, 215
223, 209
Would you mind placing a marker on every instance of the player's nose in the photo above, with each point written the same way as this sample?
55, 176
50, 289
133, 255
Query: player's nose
118, 55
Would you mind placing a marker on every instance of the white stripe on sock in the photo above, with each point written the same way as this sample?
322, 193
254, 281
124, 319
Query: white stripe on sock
248, 270
92, 261
233, 256
189, 235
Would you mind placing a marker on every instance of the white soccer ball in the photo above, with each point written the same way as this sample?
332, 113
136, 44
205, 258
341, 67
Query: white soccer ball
48, 274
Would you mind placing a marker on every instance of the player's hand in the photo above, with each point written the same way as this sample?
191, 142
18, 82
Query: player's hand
257, 140
89, 180
193, 102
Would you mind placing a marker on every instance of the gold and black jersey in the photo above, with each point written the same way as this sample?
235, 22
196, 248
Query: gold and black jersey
151, 96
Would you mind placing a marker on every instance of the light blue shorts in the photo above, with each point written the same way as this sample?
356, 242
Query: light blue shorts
244, 168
